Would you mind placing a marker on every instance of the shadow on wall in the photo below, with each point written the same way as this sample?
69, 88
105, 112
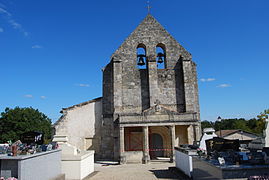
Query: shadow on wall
144, 89
95, 141
179, 81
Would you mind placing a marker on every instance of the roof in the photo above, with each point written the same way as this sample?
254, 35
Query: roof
81, 104
74, 106
228, 132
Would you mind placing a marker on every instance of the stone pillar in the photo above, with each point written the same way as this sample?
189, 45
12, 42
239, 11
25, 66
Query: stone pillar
189, 87
122, 155
173, 138
153, 80
146, 145
117, 82
190, 134
197, 132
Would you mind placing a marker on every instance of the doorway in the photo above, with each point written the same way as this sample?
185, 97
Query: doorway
156, 146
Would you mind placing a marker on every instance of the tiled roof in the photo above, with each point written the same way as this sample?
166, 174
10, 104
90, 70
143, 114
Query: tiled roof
82, 104
228, 132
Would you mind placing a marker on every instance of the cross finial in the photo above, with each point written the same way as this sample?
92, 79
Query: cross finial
148, 7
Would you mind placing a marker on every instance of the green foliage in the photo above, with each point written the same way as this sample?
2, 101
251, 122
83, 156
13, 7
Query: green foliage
14, 122
263, 115
262, 120
207, 124
253, 125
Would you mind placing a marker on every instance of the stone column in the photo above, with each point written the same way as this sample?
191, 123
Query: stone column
173, 138
122, 154
145, 144
197, 133
189, 85
153, 80
190, 134
117, 82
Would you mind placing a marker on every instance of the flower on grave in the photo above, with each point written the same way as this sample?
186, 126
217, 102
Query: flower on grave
200, 151
9, 142
11, 178
2, 178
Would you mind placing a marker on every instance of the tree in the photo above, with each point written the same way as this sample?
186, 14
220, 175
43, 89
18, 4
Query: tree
263, 115
253, 125
15, 122
260, 125
207, 124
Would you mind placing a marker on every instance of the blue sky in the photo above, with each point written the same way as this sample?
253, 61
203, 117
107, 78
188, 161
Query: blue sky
52, 52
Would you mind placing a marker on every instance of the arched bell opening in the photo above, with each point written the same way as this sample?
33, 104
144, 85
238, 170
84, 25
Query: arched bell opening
141, 56
161, 56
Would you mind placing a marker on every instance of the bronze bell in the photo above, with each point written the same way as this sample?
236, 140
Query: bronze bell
160, 57
140, 60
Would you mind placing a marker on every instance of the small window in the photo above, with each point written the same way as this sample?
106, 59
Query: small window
141, 57
160, 56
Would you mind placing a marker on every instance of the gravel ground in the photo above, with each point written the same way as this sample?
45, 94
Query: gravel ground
151, 171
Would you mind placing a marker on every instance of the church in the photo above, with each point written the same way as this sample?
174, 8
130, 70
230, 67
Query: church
149, 102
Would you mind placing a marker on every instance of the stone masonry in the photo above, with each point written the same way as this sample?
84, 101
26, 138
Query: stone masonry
132, 95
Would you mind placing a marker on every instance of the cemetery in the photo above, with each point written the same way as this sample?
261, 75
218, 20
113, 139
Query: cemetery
29, 158
219, 158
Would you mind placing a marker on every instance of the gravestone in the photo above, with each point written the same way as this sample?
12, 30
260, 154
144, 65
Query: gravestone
32, 137
220, 144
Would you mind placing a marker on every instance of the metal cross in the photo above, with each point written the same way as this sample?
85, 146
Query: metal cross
148, 7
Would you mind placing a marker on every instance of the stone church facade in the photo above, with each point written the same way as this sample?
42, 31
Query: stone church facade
149, 105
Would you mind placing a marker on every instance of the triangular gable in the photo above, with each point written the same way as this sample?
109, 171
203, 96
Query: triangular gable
158, 109
150, 28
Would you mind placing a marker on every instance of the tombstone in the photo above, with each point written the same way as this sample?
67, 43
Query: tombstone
3, 148
256, 144
32, 137
256, 158
221, 145
209, 133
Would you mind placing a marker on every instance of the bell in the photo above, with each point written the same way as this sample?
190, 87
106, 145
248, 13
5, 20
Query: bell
160, 59
141, 61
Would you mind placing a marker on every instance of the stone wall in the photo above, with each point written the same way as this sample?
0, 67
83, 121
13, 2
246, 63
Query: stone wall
128, 89
135, 86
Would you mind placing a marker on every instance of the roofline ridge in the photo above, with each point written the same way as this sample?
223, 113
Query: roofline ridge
81, 104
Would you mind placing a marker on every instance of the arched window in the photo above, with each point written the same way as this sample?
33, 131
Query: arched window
161, 56
141, 56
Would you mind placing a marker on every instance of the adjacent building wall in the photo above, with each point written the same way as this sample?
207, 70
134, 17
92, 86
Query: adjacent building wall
241, 136
82, 125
